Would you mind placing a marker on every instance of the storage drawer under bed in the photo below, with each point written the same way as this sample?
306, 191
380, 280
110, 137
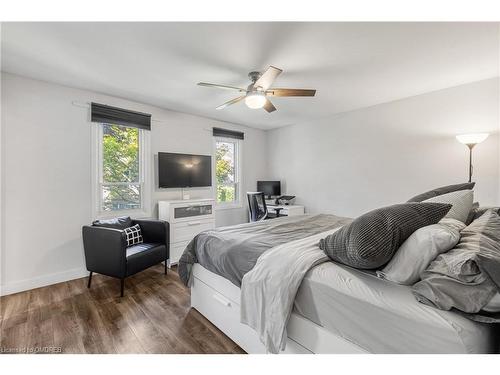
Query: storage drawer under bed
218, 300
224, 313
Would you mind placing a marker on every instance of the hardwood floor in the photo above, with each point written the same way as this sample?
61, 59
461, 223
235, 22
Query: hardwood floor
154, 316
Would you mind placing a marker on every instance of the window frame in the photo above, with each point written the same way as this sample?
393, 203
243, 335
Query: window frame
98, 181
238, 203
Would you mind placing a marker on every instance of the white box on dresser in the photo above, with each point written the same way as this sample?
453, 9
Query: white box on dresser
187, 218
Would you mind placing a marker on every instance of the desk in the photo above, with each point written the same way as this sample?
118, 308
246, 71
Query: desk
289, 210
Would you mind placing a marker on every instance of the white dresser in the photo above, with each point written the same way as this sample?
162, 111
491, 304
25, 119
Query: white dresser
187, 218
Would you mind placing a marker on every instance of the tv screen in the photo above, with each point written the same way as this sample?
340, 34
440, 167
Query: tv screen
184, 170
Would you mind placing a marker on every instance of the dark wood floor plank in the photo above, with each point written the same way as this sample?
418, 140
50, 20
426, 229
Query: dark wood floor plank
40, 297
12, 336
153, 317
124, 339
13, 304
148, 335
39, 329
78, 286
60, 292
14, 320
209, 338
170, 328
96, 338
207, 334
67, 332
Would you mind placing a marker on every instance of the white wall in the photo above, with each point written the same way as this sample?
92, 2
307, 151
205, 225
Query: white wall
47, 174
357, 161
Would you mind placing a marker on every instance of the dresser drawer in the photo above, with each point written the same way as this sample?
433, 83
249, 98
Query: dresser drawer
186, 231
195, 210
180, 211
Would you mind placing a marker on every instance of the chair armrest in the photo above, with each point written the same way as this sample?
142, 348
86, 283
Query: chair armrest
105, 250
154, 231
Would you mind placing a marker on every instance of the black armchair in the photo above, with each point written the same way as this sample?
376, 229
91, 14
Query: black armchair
106, 250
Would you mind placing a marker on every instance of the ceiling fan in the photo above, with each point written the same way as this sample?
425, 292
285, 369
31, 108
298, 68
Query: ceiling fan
257, 94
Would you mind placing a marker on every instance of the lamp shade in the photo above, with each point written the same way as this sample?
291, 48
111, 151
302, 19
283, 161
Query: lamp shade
472, 139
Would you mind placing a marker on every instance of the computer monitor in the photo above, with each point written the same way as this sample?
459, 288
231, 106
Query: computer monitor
269, 188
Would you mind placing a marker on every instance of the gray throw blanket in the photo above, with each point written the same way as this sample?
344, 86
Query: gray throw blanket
266, 299
465, 278
233, 251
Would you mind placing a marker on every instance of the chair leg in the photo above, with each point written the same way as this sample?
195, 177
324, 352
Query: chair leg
166, 268
90, 279
122, 287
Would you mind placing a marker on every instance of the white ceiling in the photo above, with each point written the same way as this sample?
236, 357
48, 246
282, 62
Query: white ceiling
352, 65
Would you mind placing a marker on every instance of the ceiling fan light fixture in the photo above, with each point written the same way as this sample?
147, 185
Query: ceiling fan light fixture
256, 94
255, 99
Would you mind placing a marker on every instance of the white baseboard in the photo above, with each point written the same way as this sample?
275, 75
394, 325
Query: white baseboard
37, 282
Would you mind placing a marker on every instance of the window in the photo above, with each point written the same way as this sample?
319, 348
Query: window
120, 170
227, 171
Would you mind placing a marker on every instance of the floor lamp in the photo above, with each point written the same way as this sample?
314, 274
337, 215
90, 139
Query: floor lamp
470, 140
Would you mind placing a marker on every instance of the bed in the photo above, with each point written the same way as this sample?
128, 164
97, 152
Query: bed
336, 309
383, 317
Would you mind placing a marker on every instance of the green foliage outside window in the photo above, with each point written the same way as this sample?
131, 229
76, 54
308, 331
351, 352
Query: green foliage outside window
121, 175
225, 171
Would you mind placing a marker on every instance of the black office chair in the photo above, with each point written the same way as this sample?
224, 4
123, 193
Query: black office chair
257, 207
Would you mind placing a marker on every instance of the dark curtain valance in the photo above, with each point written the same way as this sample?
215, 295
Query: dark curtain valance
119, 116
219, 132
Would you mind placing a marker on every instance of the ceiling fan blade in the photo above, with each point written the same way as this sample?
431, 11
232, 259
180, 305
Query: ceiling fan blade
233, 101
269, 107
290, 92
267, 78
221, 86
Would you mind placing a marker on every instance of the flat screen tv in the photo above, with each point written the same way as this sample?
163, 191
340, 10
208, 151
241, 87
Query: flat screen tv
184, 170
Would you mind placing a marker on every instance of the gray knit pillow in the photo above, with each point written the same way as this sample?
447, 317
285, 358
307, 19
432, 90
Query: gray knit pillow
371, 240
461, 202
442, 190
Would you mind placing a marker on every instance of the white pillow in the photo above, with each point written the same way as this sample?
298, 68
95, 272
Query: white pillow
418, 251
461, 202
452, 223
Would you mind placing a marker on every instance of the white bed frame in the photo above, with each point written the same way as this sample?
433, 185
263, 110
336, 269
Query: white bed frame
219, 301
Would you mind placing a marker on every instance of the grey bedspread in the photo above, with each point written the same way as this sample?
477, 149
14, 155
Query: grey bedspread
233, 251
